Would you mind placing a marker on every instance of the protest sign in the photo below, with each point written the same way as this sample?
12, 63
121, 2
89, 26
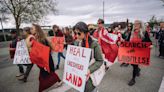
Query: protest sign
134, 53
21, 54
76, 67
58, 44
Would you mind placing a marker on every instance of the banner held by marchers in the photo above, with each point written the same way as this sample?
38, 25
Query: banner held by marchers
134, 53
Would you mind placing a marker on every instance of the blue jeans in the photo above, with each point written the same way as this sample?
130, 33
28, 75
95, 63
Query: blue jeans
60, 54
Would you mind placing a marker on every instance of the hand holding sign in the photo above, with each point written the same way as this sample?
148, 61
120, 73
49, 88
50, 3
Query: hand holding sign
88, 75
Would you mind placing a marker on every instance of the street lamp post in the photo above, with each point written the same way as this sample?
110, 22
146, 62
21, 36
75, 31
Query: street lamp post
103, 9
1, 19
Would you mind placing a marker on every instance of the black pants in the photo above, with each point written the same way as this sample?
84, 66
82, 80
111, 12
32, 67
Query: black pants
21, 70
135, 70
28, 69
161, 50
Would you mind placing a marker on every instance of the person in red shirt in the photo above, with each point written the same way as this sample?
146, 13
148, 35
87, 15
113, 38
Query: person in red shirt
138, 34
108, 46
117, 31
58, 33
68, 37
148, 28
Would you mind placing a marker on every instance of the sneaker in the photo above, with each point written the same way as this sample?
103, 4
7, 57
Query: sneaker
23, 79
19, 75
58, 84
106, 68
132, 82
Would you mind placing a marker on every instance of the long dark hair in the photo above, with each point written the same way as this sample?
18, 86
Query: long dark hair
40, 36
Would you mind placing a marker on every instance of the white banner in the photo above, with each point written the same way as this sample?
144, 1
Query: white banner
21, 54
76, 67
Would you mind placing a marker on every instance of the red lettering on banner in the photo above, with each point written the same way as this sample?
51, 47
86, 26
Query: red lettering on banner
77, 52
79, 82
134, 53
75, 65
74, 79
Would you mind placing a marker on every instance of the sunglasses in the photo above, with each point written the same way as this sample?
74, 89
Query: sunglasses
78, 33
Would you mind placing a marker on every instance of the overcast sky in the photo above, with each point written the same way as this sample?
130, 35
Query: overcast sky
72, 11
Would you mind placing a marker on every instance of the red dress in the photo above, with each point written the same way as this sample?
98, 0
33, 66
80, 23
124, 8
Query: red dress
109, 50
47, 79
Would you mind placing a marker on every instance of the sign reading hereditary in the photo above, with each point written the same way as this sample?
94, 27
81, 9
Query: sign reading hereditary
21, 54
134, 53
76, 67
58, 44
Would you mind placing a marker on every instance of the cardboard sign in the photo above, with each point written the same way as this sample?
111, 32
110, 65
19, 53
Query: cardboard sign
114, 37
134, 53
39, 55
21, 55
76, 67
58, 44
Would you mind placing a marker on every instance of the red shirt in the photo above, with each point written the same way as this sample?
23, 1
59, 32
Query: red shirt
59, 34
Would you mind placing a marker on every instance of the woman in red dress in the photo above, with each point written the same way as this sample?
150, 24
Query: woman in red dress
138, 35
46, 79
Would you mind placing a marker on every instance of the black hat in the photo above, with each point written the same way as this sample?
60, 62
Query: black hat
82, 27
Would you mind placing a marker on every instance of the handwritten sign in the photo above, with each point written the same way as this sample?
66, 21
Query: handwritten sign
21, 55
134, 53
58, 44
76, 67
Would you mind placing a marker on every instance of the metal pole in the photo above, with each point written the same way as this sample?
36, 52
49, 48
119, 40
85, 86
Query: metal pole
3, 29
103, 9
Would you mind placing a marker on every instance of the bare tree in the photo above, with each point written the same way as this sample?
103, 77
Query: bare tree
25, 11
163, 2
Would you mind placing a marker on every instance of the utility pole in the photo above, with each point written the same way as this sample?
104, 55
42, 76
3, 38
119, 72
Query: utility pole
103, 9
1, 19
